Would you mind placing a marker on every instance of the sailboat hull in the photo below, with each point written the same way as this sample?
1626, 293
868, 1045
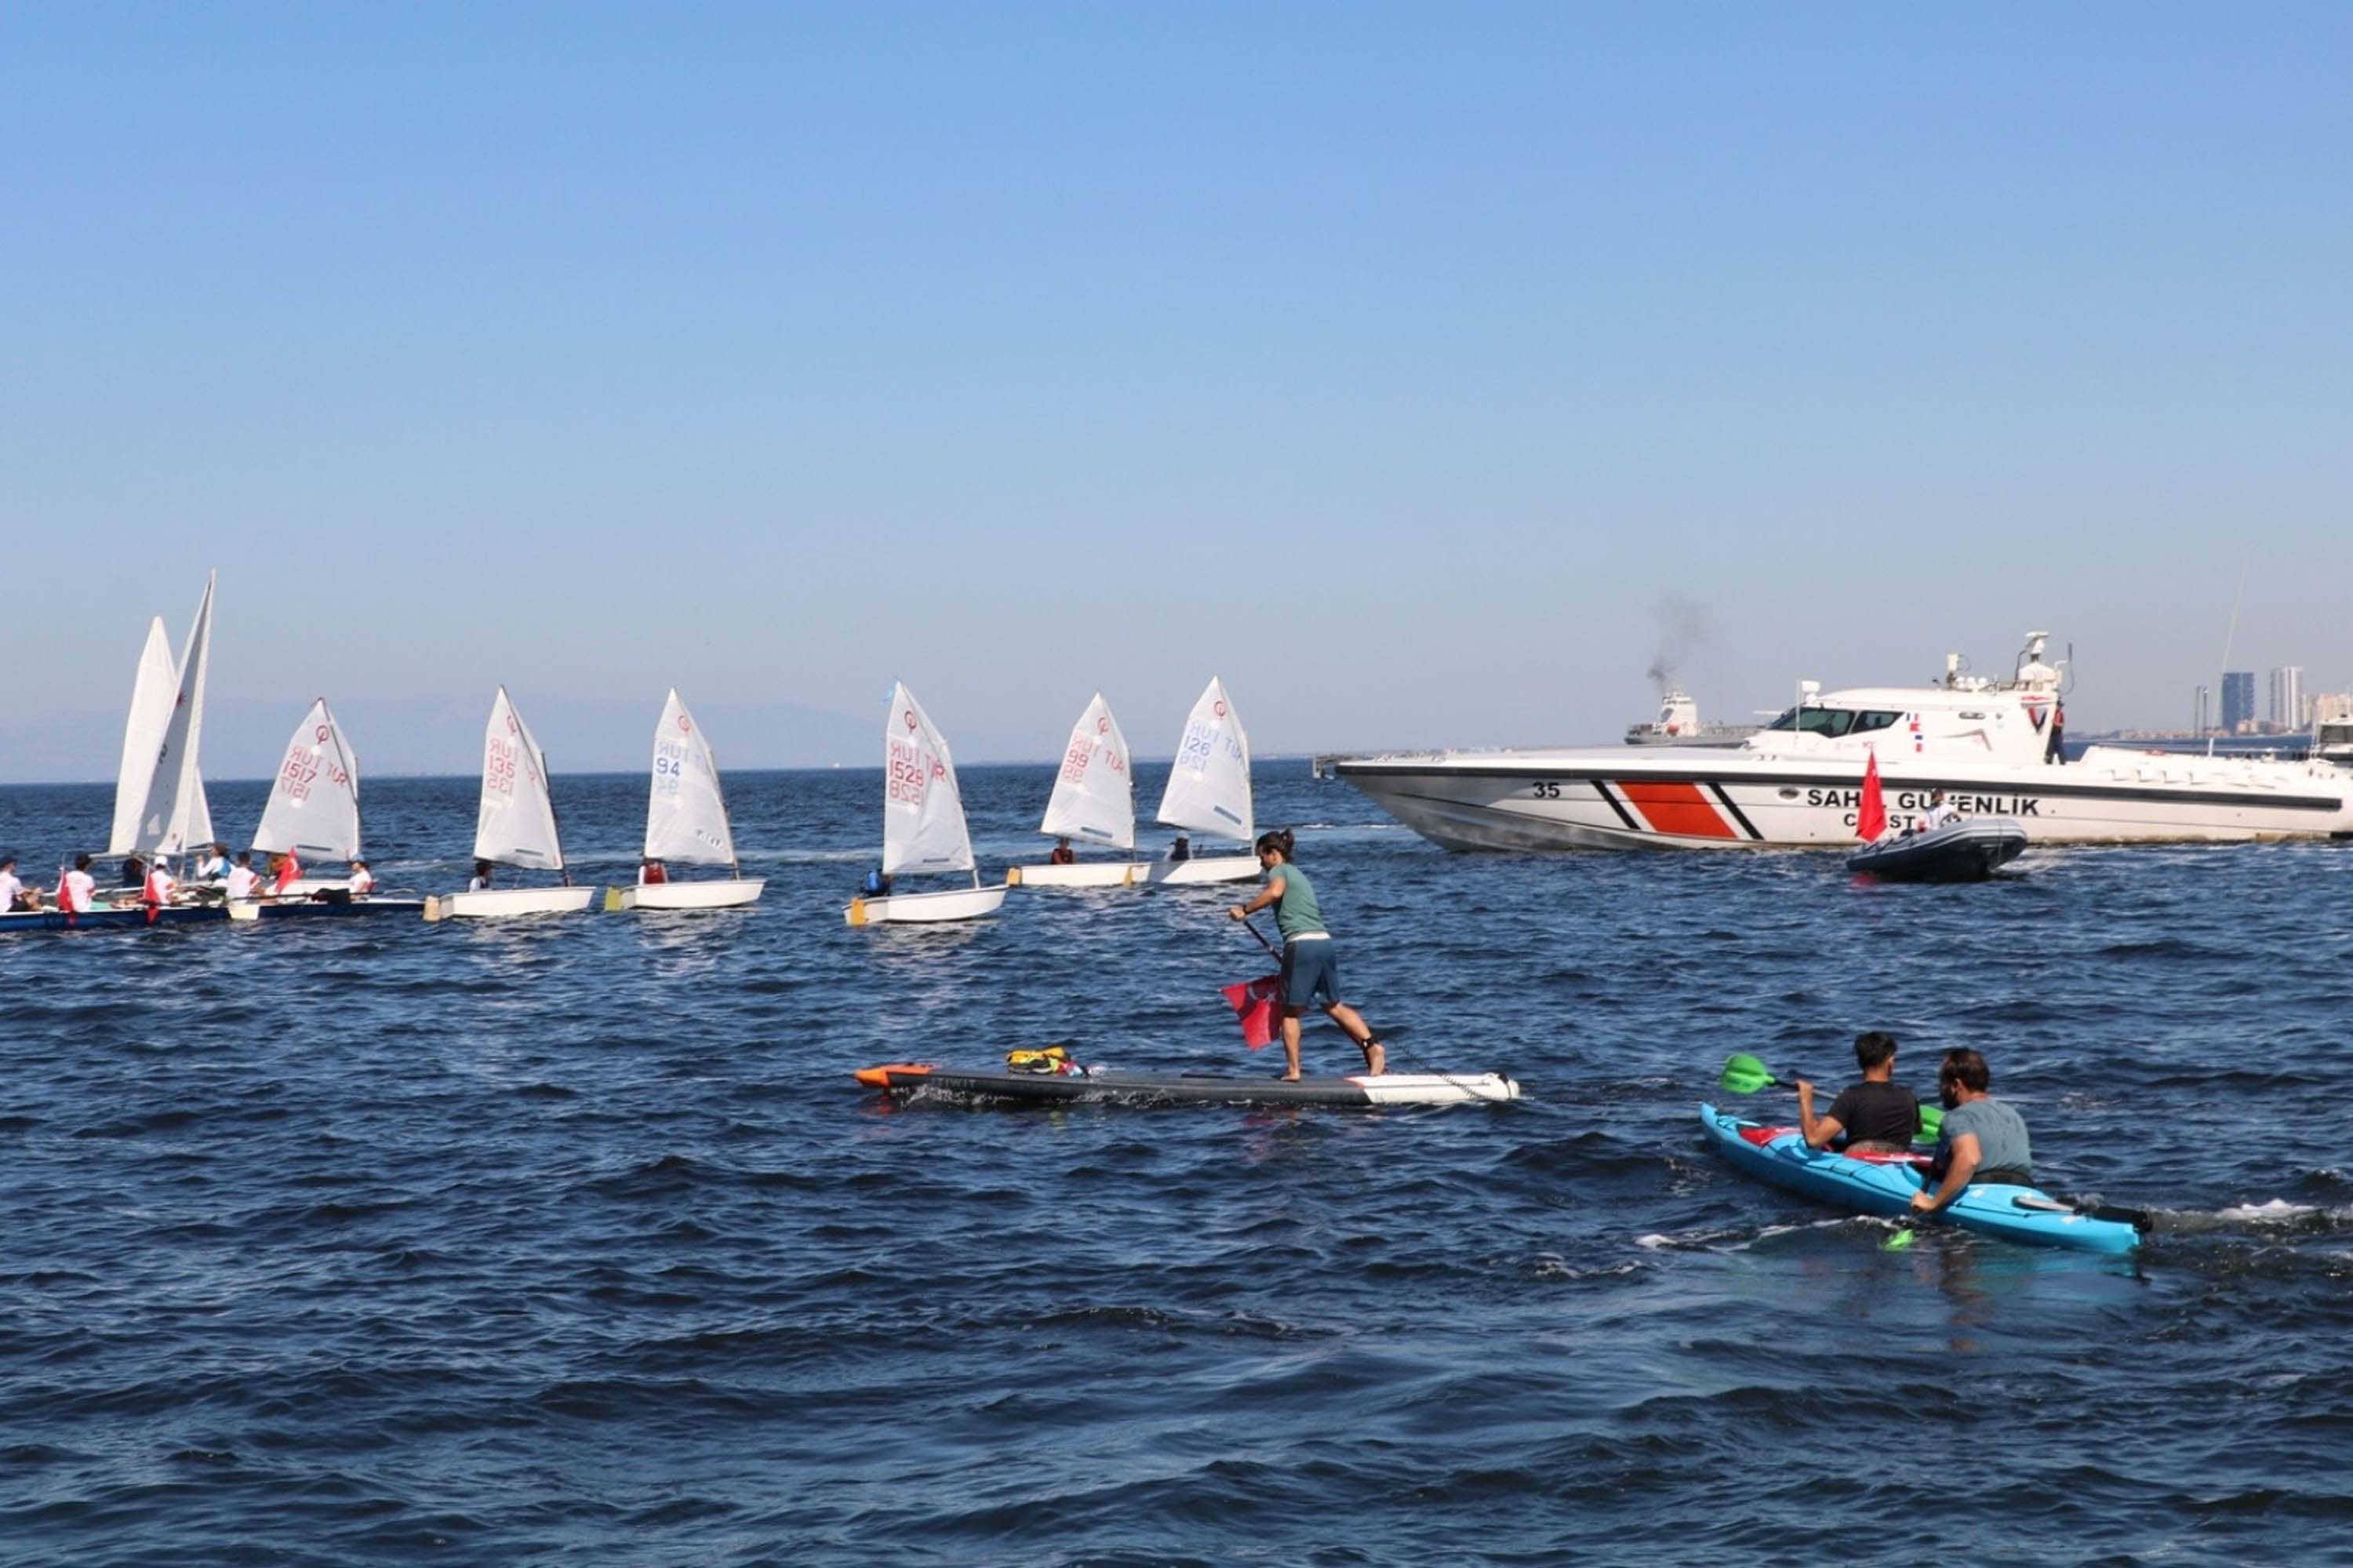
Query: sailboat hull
322, 908
499, 903
131, 918
957, 904
1086, 874
729, 895
1225, 868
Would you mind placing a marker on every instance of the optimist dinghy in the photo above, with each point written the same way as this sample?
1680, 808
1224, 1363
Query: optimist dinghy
1966, 850
686, 824
516, 826
1210, 792
1101, 1085
1093, 804
159, 798
314, 814
923, 830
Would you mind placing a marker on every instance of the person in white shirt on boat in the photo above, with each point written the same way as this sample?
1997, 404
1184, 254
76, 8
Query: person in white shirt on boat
481, 882
77, 888
12, 889
362, 879
1939, 812
213, 867
161, 885
242, 878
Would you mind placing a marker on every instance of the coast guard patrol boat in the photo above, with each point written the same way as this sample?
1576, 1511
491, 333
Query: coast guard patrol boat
1986, 742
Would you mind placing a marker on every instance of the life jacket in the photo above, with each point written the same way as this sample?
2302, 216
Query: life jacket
1053, 1059
875, 884
151, 894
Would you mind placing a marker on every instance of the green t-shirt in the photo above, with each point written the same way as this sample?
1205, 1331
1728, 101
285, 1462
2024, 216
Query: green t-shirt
1295, 911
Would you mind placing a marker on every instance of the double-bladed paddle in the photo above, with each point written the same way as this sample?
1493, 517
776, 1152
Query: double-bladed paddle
1744, 1075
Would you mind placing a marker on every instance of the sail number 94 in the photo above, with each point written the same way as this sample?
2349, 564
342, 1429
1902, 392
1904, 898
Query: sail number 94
1546, 788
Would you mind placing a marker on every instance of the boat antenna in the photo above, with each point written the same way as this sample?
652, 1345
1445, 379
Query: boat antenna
2231, 634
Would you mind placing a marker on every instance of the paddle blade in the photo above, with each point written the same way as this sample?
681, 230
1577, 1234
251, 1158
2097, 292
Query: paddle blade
1744, 1075
1932, 1124
1899, 1241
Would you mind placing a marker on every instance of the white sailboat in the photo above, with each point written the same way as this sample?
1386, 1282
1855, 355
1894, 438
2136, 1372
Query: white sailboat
515, 827
1093, 804
314, 814
171, 812
686, 824
923, 829
1209, 790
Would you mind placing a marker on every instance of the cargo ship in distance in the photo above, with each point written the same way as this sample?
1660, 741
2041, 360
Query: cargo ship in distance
1990, 744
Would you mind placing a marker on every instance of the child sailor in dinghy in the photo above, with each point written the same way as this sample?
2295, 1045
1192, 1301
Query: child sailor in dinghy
1310, 968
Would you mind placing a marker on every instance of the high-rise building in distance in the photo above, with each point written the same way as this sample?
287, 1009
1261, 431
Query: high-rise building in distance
2238, 700
2288, 710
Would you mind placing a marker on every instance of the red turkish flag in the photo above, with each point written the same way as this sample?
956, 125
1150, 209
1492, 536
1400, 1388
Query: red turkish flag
1254, 1002
1872, 820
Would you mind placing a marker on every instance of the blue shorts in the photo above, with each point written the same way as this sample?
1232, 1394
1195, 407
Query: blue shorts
1309, 968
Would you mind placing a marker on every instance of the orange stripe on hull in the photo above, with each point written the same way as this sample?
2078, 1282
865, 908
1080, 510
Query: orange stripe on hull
880, 1077
1677, 807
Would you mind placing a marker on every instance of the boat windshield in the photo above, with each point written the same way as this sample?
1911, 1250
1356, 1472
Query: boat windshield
1834, 721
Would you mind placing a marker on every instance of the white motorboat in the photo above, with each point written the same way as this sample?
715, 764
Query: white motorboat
1678, 724
686, 824
923, 830
515, 827
1990, 743
1210, 792
2332, 728
1093, 803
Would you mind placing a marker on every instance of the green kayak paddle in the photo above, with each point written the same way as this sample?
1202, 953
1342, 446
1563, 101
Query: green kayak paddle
1744, 1075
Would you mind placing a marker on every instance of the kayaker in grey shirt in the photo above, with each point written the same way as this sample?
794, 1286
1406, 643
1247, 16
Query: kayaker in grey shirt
1983, 1139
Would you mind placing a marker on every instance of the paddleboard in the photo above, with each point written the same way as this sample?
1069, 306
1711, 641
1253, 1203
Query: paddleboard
1104, 1086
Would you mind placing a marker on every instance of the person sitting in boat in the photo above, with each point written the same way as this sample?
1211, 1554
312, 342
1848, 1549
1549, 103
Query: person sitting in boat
1938, 813
362, 879
12, 887
161, 885
1181, 849
876, 885
481, 882
1982, 1140
77, 888
1877, 1116
652, 872
135, 871
1062, 854
1309, 966
213, 866
242, 879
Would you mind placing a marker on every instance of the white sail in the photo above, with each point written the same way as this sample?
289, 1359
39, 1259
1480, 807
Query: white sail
151, 711
1094, 796
200, 817
167, 821
314, 802
923, 814
1210, 783
517, 825
686, 816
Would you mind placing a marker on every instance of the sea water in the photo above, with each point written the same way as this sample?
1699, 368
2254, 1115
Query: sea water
570, 1239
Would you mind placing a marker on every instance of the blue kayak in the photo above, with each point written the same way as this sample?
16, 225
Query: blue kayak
1884, 1185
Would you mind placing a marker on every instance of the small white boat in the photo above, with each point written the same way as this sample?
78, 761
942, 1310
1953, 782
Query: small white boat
1093, 804
314, 813
1210, 792
923, 830
516, 827
159, 794
686, 824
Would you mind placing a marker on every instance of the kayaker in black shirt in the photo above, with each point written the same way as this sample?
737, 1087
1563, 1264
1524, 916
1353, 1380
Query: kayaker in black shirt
1877, 1116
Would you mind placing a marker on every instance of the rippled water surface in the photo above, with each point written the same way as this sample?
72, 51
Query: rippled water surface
572, 1240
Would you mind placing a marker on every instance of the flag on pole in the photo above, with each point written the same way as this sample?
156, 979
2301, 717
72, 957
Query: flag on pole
1253, 1002
1871, 821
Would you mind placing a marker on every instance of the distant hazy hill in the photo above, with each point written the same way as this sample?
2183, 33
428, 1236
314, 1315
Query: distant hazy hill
245, 739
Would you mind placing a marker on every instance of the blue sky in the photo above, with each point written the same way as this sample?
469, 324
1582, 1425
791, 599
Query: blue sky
1426, 370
